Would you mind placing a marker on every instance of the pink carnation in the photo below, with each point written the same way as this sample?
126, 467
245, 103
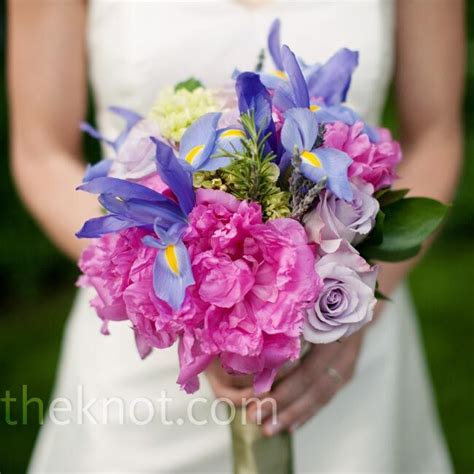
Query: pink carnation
254, 279
107, 265
375, 163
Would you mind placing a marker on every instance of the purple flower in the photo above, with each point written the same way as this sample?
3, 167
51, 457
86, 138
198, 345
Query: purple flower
335, 220
298, 136
347, 301
136, 157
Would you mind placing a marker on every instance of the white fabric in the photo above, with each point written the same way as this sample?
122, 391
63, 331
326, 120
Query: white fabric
382, 421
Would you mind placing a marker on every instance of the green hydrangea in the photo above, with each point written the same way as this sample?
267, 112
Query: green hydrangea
209, 180
176, 110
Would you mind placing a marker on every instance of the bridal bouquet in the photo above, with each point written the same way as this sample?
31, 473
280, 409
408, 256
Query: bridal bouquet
242, 221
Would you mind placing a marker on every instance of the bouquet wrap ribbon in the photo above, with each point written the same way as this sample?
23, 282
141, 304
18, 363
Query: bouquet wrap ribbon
255, 453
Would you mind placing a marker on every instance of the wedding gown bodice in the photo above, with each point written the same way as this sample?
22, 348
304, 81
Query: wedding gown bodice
136, 48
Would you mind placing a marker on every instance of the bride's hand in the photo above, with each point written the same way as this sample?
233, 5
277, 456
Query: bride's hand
301, 393
234, 388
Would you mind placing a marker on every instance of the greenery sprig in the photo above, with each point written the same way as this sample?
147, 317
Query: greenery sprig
253, 174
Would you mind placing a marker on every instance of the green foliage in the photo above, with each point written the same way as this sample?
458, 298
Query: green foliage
375, 238
253, 175
261, 61
387, 196
405, 225
189, 84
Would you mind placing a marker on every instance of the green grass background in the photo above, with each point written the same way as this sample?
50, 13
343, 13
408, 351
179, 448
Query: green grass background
37, 287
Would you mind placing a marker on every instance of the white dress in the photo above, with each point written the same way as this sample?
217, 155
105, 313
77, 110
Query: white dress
383, 420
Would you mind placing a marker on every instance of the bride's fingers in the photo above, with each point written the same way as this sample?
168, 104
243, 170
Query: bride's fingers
305, 407
296, 383
324, 389
288, 416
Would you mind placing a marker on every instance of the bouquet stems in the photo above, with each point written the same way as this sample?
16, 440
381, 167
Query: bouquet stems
255, 453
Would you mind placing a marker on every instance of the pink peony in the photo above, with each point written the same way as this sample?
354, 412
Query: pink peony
254, 280
107, 266
375, 163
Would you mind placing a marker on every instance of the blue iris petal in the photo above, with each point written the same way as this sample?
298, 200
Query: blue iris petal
179, 180
143, 212
295, 76
294, 92
121, 188
230, 139
172, 274
254, 98
99, 226
300, 130
335, 164
274, 44
99, 170
130, 205
332, 80
130, 118
202, 133
271, 81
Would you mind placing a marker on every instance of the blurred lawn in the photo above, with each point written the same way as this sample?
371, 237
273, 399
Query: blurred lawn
36, 291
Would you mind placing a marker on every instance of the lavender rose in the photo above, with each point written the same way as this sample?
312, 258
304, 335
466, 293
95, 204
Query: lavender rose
335, 220
347, 300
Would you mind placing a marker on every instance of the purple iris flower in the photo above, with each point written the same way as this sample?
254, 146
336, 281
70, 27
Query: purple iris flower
129, 205
329, 81
278, 76
102, 168
332, 80
273, 79
298, 135
274, 44
255, 99
201, 143
294, 93
133, 205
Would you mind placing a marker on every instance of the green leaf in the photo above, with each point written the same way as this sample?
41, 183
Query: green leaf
189, 84
380, 296
389, 197
407, 224
376, 235
378, 194
261, 61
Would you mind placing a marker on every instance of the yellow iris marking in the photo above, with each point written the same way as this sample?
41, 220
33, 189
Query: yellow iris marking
172, 259
311, 158
193, 153
280, 74
314, 108
233, 133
